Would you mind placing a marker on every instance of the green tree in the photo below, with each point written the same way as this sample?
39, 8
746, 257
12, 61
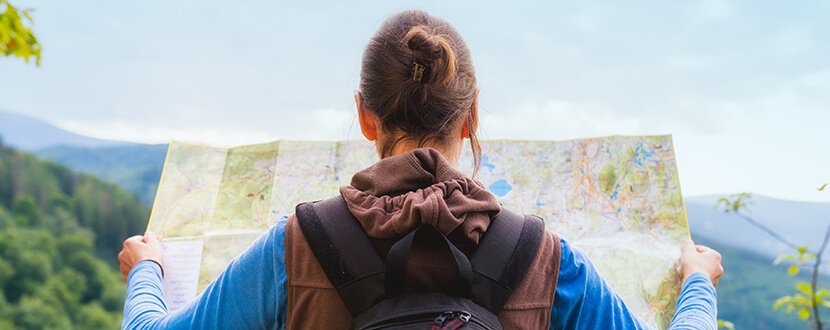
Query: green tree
26, 210
93, 316
65, 289
34, 313
6, 271
16, 39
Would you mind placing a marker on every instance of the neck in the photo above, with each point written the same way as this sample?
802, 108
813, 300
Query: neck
451, 152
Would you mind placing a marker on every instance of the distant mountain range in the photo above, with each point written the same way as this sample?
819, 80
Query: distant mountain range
26, 133
134, 166
801, 223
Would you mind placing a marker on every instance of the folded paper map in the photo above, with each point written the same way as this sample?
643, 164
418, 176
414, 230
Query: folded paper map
615, 198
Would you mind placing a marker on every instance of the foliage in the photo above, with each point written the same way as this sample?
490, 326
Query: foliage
51, 276
15, 38
726, 324
808, 298
48, 195
750, 286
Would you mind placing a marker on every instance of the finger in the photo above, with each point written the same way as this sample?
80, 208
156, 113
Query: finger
702, 248
134, 240
717, 275
124, 273
151, 238
688, 244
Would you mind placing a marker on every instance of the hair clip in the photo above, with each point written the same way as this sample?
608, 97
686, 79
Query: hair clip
417, 72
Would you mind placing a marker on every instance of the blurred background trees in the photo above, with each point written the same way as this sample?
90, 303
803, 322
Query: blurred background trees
59, 234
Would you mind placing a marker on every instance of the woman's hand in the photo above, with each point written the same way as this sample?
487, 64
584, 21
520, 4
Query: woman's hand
137, 249
699, 258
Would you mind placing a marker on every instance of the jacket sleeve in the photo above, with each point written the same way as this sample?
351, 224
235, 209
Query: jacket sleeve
250, 293
585, 301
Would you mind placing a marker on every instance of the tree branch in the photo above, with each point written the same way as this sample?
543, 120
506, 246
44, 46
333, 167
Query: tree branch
769, 231
815, 277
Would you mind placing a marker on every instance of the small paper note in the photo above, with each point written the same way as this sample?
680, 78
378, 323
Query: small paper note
182, 263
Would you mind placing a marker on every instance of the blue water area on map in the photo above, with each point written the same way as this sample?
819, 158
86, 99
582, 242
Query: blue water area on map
500, 188
485, 162
641, 155
540, 204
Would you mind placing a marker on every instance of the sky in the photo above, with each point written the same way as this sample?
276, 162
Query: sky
743, 87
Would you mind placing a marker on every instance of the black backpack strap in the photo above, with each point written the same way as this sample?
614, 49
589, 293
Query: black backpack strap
398, 257
504, 256
344, 251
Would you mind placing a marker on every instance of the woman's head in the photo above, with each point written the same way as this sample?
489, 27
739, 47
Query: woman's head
417, 79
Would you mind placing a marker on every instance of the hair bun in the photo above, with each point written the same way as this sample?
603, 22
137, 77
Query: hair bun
432, 51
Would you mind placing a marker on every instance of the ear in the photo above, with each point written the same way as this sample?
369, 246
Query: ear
368, 120
465, 128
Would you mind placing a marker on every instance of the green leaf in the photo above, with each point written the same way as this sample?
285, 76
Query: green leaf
819, 301
804, 287
793, 270
782, 301
782, 258
804, 313
15, 38
726, 324
802, 300
726, 203
790, 308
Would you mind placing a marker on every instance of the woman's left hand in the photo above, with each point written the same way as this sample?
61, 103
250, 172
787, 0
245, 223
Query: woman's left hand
137, 249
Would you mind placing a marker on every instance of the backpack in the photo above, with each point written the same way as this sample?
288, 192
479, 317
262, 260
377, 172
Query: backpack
375, 292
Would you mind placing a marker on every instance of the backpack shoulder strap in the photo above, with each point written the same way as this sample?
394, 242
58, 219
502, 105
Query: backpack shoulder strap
344, 251
503, 257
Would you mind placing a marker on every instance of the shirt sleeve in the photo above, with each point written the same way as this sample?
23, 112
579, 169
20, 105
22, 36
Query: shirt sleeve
250, 293
584, 300
697, 305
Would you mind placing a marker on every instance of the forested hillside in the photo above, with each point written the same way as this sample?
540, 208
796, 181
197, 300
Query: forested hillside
136, 168
59, 235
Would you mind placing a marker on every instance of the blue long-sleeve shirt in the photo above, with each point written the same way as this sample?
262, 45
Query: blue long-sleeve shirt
251, 293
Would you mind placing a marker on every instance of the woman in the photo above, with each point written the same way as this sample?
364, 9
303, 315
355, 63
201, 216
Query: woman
418, 102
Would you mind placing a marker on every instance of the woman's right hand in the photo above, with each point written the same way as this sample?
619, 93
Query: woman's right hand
137, 249
699, 258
